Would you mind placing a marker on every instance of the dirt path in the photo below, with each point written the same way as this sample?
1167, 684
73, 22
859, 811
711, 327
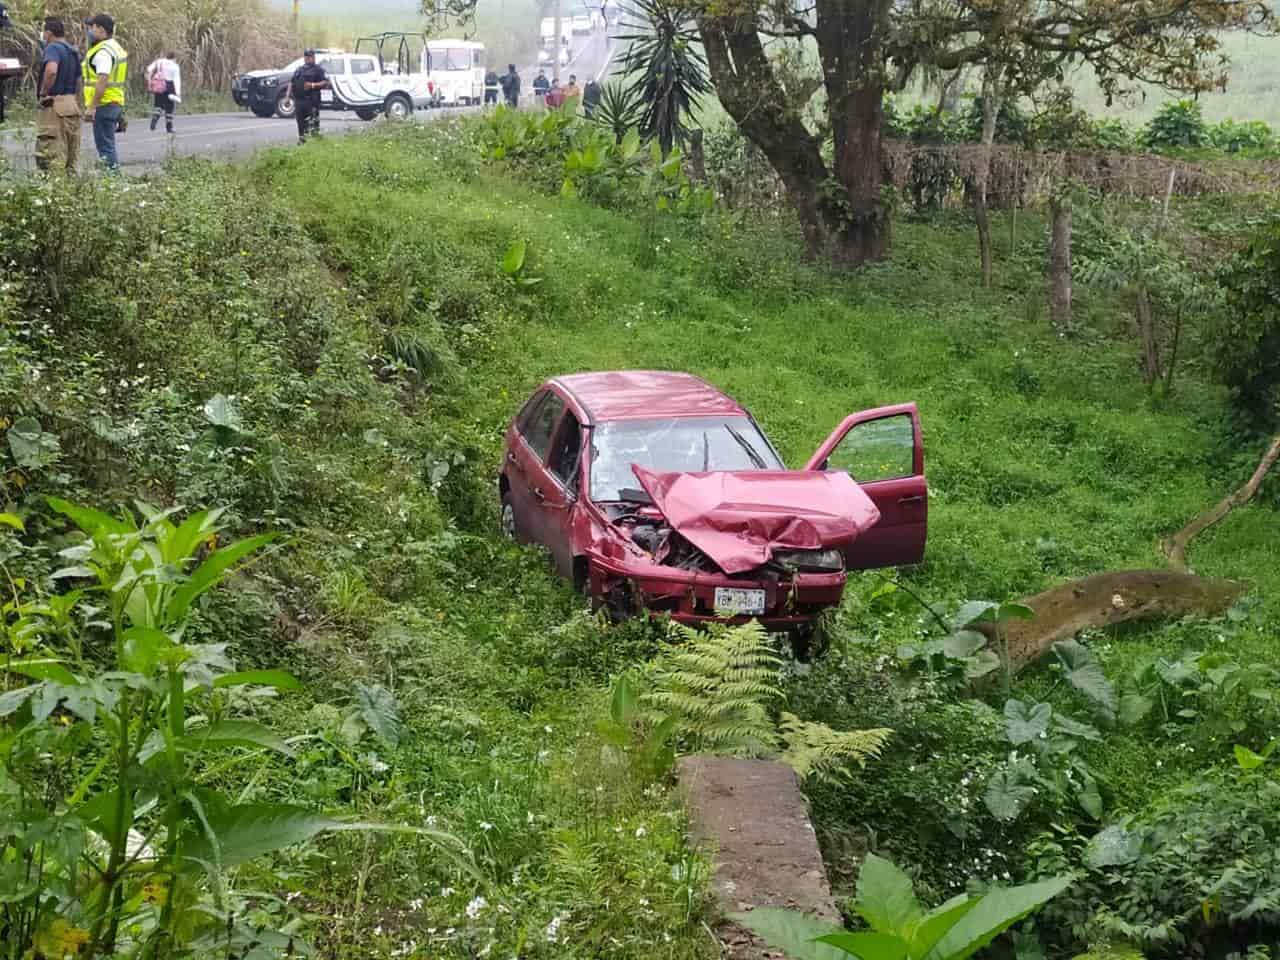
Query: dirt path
754, 818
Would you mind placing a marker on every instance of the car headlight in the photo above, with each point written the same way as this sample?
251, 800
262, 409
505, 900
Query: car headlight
830, 560
268, 81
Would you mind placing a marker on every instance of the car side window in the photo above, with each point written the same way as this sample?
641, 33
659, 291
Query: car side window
335, 67
566, 451
876, 450
537, 432
363, 66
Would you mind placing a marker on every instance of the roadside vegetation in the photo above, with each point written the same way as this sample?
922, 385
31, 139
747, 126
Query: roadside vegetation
472, 761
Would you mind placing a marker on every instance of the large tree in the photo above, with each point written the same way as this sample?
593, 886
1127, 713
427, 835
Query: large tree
869, 47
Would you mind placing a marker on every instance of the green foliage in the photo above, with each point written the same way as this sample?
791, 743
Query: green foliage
1247, 347
815, 750
1233, 136
113, 831
620, 108
1179, 123
666, 65
901, 929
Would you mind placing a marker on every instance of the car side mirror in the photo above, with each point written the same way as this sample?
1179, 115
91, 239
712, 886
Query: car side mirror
824, 464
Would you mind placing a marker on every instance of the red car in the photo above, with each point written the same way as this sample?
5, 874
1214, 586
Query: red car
655, 491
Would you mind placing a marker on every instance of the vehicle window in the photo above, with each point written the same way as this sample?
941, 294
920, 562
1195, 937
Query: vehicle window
881, 449
566, 450
686, 444
334, 67
450, 58
527, 411
537, 432
363, 66
476, 58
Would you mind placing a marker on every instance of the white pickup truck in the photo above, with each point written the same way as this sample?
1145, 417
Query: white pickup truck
362, 83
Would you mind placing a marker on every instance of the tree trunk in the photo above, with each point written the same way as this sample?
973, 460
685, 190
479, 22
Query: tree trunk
1147, 331
982, 175
695, 159
749, 90
850, 34
1060, 264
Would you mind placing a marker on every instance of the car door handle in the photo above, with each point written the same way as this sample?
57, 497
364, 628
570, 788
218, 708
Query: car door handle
537, 494
918, 498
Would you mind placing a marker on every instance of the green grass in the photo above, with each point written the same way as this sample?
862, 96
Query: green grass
1046, 457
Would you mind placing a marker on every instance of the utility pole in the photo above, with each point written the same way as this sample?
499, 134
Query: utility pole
296, 5
555, 51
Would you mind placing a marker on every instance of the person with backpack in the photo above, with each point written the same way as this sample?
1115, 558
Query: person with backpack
58, 119
308, 80
164, 81
105, 69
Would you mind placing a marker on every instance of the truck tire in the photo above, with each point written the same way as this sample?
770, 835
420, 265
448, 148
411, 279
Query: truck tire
285, 107
399, 107
368, 113
263, 112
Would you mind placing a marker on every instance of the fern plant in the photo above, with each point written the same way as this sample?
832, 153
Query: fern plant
815, 750
718, 686
717, 693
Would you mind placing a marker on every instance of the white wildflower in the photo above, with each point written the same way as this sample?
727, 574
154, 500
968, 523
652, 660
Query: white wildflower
475, 907
640, 832
415, 903
486, 826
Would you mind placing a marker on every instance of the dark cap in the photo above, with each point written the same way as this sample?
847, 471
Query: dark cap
102, 20
309, 52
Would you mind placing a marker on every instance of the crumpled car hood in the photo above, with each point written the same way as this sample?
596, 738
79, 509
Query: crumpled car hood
740, 518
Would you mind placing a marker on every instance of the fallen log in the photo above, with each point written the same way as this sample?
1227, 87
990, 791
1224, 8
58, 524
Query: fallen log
1106, 599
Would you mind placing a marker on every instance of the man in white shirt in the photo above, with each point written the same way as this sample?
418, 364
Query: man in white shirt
164, 80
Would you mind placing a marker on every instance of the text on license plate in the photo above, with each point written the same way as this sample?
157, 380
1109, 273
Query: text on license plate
738, 601
326, 96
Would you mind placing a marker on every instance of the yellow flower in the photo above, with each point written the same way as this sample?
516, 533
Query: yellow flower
155, 892
60, 940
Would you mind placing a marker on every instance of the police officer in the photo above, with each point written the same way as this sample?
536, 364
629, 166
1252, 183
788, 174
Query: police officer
591, 95
491, 88
511, 85
308, 80
541, 85
106, 67
58, 120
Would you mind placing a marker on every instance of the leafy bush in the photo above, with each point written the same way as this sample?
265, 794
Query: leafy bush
1247, 350
1234, 136
1201, 866
1179, 123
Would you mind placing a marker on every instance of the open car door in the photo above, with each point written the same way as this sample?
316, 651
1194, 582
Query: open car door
883, 451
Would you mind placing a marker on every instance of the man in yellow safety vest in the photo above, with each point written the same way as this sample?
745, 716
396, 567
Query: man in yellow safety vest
106, 67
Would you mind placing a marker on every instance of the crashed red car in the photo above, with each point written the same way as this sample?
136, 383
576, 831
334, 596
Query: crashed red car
655, 491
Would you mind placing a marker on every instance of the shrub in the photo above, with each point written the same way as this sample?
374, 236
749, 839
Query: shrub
1234, 136
1247, 354
1179, 123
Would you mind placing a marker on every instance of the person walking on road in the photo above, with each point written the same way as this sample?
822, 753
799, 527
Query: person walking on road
511, 85
164, 80
591, 97
106, 68
491, 86
308, 80
541, 85
58, 119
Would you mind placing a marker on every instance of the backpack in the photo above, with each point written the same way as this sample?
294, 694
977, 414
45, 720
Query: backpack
157, 82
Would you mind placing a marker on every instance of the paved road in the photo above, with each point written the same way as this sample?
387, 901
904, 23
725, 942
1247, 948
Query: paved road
232, 136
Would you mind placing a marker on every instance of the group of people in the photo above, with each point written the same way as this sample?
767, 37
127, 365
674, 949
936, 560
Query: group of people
550, 92
75, 87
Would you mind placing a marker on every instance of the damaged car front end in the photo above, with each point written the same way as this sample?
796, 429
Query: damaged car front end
657, 494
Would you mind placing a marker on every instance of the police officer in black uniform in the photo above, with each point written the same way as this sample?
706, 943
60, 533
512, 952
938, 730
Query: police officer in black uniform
308, 80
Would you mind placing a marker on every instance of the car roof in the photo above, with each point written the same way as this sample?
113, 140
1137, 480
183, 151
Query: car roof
645, 395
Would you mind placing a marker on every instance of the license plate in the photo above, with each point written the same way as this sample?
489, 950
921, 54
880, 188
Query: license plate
326, 96
734, 600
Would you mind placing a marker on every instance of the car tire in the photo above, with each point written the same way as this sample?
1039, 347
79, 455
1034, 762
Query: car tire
399, 107
263, 112
366, 115
285, 107
507, 519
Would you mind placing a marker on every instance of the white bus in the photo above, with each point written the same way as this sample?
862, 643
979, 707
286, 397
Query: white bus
456, 68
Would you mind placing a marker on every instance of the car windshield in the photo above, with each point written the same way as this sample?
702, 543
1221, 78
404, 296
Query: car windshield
450, 58
685, 444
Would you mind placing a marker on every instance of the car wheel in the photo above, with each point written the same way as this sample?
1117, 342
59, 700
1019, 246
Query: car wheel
285, 107
399, 107
262, 112
509, 529
368, 114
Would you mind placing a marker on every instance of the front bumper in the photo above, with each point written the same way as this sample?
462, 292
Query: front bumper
689, 597
262, 95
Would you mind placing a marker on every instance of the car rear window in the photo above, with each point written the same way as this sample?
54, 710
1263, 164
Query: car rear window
537, 429
683, 445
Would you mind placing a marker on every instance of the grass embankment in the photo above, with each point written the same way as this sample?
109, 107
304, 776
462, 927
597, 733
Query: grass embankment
304, 285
